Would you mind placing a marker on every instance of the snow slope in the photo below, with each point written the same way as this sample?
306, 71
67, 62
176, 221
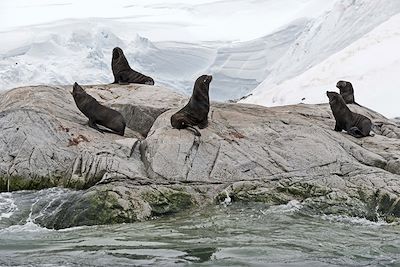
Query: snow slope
372, 63
339, 45
269, 45
174, 42
240, 67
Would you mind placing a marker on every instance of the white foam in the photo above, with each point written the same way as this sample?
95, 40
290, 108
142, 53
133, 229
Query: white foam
7, 205
291, 206
354, 220
29, 226
41, 204
227, 201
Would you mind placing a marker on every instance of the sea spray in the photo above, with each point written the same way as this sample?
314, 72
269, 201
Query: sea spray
7, 205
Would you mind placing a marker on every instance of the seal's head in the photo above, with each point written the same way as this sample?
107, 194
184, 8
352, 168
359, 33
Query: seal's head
117, 52
344, 86
333, 97
203, 82
119, 62
341, 84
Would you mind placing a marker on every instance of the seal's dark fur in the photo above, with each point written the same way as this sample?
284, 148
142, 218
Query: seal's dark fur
97, 113
123, 73
355, 124
195, 113
346, 91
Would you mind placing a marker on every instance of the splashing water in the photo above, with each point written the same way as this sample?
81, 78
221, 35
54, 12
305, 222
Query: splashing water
7, 205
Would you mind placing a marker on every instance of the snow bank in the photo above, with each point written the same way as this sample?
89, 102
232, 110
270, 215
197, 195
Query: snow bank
321, 56
371, 63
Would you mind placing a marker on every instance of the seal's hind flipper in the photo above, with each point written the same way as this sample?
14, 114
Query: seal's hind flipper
354, 131
149, 83
121, 133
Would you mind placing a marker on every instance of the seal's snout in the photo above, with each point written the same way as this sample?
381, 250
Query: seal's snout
330, 95
333, 96
74, 89
208, 79
77, 89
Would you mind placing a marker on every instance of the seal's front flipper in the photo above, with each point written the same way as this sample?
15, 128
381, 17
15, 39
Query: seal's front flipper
338, 128
122, 79
203, 124
94, 126
354, 131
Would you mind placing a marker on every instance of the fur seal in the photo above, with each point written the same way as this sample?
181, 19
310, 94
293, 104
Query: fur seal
355, 124
123, 73
97, 113
195, 113
346, 91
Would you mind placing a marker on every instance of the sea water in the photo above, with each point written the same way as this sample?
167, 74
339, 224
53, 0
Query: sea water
236, 234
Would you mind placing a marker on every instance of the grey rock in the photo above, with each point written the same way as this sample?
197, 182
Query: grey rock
253, 153
45, 142
139, 104
279, 154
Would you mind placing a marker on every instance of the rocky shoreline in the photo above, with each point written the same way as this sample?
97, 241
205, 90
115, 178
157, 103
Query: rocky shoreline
253, 153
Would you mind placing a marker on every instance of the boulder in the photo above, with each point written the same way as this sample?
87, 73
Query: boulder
252, 153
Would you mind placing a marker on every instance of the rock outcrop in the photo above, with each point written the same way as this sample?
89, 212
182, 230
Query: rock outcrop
253, 153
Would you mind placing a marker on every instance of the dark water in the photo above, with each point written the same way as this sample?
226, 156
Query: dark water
237, 235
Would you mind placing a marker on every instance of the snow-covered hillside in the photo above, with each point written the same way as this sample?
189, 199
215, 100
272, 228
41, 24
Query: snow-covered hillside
355, 41
280, 50
173, 42
371, 63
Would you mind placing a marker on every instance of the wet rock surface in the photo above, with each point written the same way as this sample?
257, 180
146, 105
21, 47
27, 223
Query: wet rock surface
252, 153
